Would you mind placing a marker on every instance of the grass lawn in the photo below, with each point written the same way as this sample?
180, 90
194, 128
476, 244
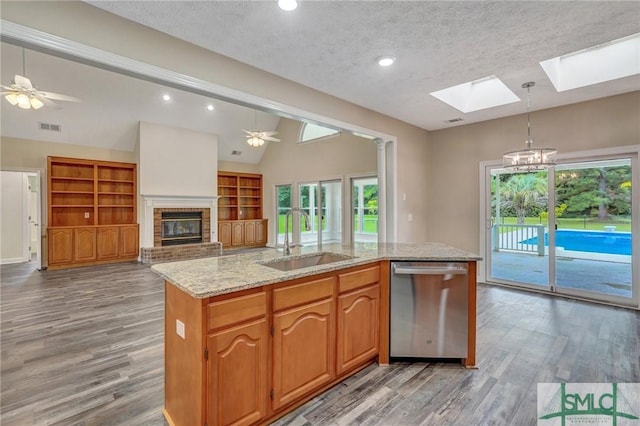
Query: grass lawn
370, 224
576, 223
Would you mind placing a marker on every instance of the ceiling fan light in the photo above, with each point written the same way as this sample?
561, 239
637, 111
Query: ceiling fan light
255, 141
287, 5
23, 101
36, 103
12, 98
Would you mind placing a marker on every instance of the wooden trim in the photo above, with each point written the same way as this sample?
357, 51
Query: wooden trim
184, 390
383, 356
470, 360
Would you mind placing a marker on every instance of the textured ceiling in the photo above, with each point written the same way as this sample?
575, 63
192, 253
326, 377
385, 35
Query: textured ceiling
332, 46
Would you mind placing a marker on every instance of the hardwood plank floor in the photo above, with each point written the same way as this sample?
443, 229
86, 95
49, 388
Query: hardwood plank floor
85, 347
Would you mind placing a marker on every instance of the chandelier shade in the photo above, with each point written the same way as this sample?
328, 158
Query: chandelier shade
529, 158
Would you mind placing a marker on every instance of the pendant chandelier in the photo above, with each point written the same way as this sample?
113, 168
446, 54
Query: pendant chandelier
530, 158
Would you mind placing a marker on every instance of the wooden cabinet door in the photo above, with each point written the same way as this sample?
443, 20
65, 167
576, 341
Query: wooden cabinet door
224, 233
250, 232
303, 350
261, 232
60, 246
129, 241
84, 244
237, 233
237, 374
107, 242
358, 327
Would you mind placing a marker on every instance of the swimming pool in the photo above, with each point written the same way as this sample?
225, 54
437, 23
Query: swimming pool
590, 241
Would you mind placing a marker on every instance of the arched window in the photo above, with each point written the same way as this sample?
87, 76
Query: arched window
311, 132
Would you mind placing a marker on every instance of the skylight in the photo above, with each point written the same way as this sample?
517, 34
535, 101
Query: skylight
597, 64
478, 94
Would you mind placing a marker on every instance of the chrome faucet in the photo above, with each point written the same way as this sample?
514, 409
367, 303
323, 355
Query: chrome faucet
286, 251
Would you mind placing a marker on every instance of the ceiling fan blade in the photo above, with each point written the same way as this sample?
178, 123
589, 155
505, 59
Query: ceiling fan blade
49, 103
8, 88
22, 81
57, 96
268, 133
270, 139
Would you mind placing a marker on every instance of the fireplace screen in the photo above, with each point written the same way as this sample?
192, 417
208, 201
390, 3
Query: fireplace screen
181, 228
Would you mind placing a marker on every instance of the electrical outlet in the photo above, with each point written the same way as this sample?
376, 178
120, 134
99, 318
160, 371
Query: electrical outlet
410, 217
87, 215
180, 328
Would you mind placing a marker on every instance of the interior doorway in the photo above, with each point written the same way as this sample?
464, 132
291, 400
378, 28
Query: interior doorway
20, 228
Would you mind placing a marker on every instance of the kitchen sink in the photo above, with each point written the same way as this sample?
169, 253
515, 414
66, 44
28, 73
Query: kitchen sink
306, 260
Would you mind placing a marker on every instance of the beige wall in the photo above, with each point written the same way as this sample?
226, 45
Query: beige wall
12, 216
91, 26
289, 162
30, 154
176, 161
455, 154
232, 166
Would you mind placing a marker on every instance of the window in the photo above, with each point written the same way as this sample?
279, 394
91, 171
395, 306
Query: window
311, 132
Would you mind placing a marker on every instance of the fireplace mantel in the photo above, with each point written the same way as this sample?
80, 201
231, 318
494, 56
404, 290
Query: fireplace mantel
151, 202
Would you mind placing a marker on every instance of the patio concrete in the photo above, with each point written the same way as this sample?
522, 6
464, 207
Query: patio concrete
612, 278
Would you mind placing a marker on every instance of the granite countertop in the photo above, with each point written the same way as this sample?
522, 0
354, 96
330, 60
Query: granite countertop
211, 276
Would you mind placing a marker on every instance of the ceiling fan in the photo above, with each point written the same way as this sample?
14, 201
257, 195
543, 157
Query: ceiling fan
23, 94
257, 138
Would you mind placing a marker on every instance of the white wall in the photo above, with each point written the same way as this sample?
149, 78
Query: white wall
177, 161
13, 186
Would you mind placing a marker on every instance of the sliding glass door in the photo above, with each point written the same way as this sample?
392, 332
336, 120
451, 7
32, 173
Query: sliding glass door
593, 236
519, 223
582, 246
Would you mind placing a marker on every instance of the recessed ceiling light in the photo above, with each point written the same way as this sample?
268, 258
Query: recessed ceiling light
385, 61
597, 64
210, 107
478, 94
166, 97
288, 5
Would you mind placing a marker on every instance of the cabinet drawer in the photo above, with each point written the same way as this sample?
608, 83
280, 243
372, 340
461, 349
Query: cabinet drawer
298, 294
239, 309
357, 279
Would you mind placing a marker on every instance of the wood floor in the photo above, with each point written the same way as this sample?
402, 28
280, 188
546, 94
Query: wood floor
85, 347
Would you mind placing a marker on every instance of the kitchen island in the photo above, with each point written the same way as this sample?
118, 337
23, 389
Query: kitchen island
249, 337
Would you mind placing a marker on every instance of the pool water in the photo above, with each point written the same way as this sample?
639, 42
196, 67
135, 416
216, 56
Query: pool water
589, 241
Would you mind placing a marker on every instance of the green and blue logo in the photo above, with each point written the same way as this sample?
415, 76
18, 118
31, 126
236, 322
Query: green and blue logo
563, 404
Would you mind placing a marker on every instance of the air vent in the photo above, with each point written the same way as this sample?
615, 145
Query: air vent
50, 127
454, 120
234, 152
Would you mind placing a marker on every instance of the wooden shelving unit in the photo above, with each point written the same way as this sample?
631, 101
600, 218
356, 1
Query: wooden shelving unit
240, 222
92, 212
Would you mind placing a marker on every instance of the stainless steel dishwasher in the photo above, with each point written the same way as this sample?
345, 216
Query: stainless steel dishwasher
429, 310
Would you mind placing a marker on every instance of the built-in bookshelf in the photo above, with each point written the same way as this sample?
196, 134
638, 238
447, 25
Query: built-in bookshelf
92, 211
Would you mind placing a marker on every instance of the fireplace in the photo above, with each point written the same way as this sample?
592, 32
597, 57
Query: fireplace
180, 228
152, 249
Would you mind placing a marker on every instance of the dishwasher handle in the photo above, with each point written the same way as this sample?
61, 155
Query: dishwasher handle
429, 270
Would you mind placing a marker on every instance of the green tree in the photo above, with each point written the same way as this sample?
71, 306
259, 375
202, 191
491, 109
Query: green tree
596, 192
524, 193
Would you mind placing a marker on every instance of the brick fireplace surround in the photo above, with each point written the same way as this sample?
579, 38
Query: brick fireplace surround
159, 253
